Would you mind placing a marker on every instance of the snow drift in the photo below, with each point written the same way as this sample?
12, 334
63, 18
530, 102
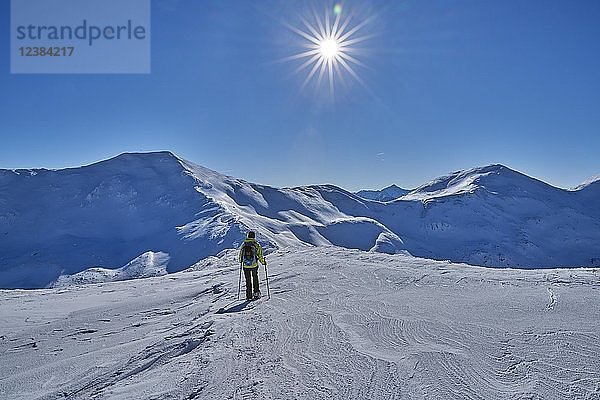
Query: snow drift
147, 265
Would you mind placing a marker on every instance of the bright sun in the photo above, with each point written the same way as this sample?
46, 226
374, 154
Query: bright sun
330, 47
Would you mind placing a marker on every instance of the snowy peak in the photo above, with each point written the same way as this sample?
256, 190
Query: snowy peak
130, 160
593, 182
495, 179
165, 161
386, 194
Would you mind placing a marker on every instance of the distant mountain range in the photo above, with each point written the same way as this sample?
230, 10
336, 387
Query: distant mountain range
106, 215
386, 194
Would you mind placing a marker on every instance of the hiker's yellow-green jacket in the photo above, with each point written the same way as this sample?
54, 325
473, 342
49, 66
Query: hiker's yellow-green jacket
259, 254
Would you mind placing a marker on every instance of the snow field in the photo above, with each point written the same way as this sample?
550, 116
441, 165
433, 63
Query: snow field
341, 324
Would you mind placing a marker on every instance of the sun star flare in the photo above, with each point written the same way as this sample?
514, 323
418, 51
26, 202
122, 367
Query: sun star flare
329, 47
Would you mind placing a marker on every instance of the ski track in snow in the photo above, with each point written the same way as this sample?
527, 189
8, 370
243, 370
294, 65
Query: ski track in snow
341, 324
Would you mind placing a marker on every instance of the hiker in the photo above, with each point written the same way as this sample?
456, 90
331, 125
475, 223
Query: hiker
250, 254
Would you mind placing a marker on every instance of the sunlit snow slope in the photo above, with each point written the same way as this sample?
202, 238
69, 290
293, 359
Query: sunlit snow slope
341, 324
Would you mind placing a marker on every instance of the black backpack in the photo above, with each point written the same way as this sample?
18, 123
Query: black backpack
249, 253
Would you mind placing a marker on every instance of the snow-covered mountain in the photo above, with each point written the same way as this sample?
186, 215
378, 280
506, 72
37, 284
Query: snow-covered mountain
61, 222
386, 194
499, 217
55, 222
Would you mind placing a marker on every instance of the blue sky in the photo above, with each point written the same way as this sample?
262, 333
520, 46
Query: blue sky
449, 85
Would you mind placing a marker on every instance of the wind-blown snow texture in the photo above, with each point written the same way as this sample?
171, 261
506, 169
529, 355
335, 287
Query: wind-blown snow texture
105, 215
342, 324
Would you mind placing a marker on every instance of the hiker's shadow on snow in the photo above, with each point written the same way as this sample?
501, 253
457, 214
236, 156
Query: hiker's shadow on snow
236, 308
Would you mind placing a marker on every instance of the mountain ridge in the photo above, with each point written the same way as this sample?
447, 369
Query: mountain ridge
60, 222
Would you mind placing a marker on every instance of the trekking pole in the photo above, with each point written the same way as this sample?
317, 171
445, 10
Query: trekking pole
240, 282
268, 290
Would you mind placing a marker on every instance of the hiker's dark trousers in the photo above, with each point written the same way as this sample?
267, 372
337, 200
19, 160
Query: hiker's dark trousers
251, 275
